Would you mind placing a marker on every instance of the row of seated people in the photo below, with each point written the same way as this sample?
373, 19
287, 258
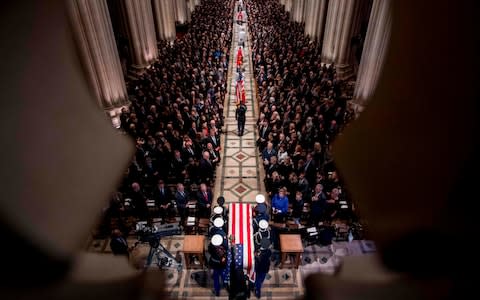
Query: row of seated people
163, 202
303, 108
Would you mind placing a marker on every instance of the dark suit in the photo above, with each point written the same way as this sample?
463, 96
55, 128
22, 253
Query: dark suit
139, 204
163, 198
262, 266
310, 171
203, 201
188, 153
182, 200
206, 171
214, 155
271, 168
267, 155
119, 246
240, 116
215, 141
178, 166
263, 133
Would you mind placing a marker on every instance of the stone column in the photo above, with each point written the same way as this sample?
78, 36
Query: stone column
315, 18
165, 20
288, 5
181, 14
297, 14
374, 52
142, 32
94, 35
191, 5
339, 30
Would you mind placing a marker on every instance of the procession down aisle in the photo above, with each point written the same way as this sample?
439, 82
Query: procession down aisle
240, 174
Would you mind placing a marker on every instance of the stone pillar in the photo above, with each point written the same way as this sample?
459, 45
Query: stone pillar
142, 32
315, 18
339, 30
297, 14
94, 35
191, 5
374, 52
165, 20
288, 5
181, 14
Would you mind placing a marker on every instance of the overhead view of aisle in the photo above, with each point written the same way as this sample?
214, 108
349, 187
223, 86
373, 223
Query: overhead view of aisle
240, 178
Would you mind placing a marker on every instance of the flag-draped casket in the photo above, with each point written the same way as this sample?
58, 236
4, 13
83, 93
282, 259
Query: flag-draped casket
240, 233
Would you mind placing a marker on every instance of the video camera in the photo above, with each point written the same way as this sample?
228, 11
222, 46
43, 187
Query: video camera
152, 234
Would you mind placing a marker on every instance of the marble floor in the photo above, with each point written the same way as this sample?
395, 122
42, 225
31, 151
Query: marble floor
286, 283
239, 175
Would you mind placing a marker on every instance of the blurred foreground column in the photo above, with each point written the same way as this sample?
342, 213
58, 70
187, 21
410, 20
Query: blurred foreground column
94, 34
339, 29
288, 5
374, 52
164, 15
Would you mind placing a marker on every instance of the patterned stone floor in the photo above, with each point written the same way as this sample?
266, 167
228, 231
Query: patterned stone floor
280, 284
241, 177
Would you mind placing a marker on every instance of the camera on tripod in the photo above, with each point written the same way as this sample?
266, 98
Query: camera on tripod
148, 234
151, 234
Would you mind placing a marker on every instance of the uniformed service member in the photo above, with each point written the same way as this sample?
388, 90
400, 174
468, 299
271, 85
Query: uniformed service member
218, 261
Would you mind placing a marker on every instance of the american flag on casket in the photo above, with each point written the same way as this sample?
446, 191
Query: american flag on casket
240, 233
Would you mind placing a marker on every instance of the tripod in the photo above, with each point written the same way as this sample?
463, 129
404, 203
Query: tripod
161, 257
157, 253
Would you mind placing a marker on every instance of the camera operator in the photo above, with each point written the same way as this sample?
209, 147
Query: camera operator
119, 244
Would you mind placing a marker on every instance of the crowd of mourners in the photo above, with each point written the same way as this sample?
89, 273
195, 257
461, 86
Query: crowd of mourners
175, 118
303, 107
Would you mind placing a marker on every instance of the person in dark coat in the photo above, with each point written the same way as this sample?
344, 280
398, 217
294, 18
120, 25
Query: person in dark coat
181, 198
240, 116
262, 265
163, 199
204, 197
317, 207
260, 214
138, 201
119, 244
238, 289
263, 232
297, 207
206, 168
218, 261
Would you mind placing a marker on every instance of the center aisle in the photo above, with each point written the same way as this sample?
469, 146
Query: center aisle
240, 176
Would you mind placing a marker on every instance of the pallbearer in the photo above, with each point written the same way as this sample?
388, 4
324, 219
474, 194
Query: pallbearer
262, 233
262, 265
218, 261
